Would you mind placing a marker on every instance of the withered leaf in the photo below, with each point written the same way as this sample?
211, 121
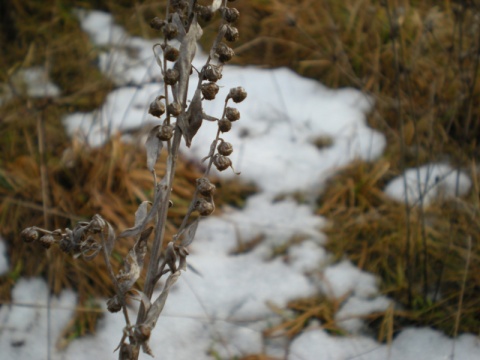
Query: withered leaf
110, 242
189, 233
216, 5
154, 146
188, 48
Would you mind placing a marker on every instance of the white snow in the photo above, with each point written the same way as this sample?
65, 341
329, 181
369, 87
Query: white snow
223, 310
33, 82
4, 266
427, 183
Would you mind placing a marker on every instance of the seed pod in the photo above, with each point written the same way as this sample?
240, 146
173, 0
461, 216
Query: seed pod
113, 304
205, 12
174, 108
225, 148
30, 234
231, 34
204, 207
232, 114
224, 53
237, 94
170, 31
165, 132
157, 24
230, 14
224, 125
46, 241
157, 107
171, 76
209, 90
205, 187
222, 162
171, 53
212, 73
179, 5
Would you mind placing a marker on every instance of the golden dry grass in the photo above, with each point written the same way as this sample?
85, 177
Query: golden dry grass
416, 59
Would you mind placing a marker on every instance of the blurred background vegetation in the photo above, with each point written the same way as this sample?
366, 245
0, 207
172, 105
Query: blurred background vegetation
419, 62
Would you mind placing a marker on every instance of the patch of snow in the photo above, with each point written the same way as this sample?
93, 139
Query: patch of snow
4, 266
428, 183
25, 324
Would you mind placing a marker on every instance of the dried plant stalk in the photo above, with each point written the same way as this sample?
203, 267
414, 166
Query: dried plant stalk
180, 118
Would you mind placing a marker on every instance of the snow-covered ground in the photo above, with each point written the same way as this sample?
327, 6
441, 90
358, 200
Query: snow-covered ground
224, 310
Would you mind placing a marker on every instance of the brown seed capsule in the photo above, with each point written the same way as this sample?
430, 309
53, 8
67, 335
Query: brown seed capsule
113, 304
30, 234
212, 73
224, 53
165, 132
170, 31
230, 14
46, 241
237, 94
157, 24
204, 207
224, 125
157, 107
174, 109
225, 148
171, 76
142, 333
209, 90
232, 114
231, 34
179, 5
171, 53
205, 12
222, 162
205, 187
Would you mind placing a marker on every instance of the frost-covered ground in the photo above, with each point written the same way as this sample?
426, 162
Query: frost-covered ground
224, 310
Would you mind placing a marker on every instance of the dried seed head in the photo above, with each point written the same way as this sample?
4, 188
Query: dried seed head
46, 241
157, 107
224, 125
30, 234
179, 5
205, 187
222, 162
212, 73
231, 34
171, 53
237, 94
170, 31
205, 12
174, 108
157, 24
204, 207
165, 132
232, 114
230, 14
113, 304
225, 148
224, 53
171, 76
209, 90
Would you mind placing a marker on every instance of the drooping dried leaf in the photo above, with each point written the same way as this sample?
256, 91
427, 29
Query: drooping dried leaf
215, 5
157, 307
153, 146
110, 242
143, 298
138, 228
171, 257
189, 233
141, 212
188, 48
